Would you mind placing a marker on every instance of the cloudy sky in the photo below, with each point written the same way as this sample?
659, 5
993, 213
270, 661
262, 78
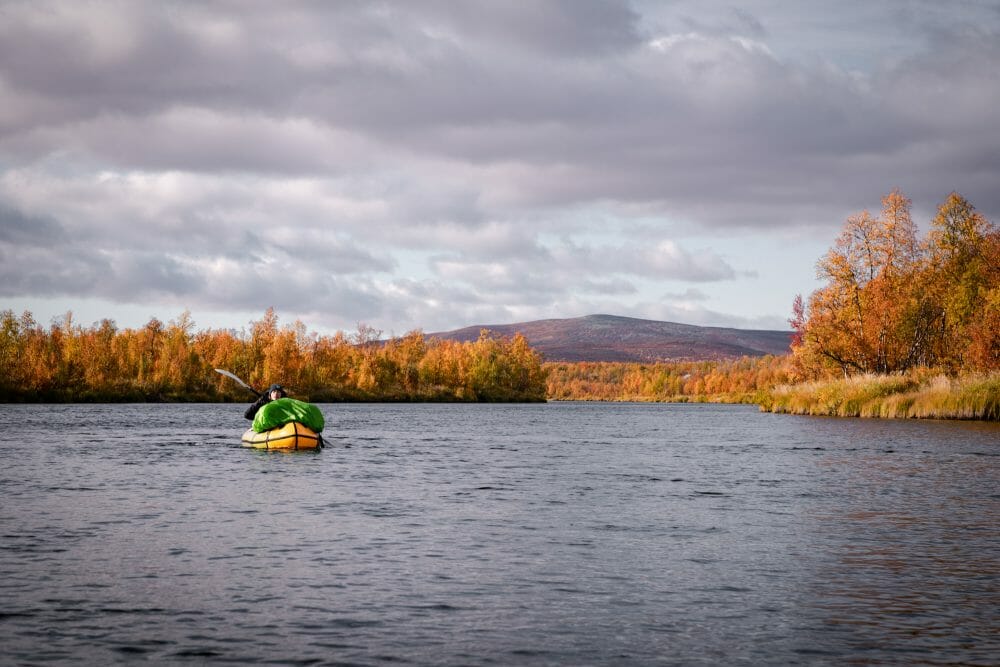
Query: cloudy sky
440, 163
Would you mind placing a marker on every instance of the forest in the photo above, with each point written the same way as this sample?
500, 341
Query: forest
67, 362
726, 381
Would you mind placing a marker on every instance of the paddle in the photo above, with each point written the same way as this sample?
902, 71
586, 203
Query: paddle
231, 376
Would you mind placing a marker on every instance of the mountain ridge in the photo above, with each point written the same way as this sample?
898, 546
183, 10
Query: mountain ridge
603, 337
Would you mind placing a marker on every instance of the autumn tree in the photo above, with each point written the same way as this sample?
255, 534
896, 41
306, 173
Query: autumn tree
262, 333
861, 320
891, 303
333, 358
406, 353
963, 249
443, 369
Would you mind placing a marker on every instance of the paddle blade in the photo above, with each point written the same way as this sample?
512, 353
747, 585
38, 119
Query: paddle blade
234, 377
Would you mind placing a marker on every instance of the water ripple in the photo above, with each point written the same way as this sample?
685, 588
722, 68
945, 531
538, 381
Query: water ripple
497, 534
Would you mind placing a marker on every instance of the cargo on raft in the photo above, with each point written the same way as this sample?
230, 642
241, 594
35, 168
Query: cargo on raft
293, 435
286, 423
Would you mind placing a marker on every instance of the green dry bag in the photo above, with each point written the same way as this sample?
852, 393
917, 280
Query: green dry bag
280, 412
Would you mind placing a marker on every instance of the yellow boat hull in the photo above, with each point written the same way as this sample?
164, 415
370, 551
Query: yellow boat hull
292, 435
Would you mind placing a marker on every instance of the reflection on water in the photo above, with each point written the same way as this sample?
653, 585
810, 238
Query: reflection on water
910, 560
551, 534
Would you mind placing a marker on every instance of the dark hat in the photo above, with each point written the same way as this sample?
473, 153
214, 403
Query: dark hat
275, 387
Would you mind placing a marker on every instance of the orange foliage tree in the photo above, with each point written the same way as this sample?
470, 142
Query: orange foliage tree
68, 362
734, 380
892, 302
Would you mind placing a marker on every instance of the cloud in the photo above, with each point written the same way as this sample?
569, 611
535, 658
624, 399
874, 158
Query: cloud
690, 294
203, 140
664, 259
20, 230
567, 28
427, 159
555, 104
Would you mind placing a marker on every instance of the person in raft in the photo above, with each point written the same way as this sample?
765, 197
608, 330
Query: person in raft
273, 393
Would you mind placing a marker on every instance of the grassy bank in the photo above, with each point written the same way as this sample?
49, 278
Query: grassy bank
769, 382
914, 395
680, 398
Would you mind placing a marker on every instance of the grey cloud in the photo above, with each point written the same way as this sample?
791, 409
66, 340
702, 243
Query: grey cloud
562, 27
221, 142
614, 286
748, 24
501, 280
203, 140
628, 122
551, 279
191, 260
488, 242
257, 287
42, 271
660, 260
138, 58
133, 277
409, 304
18, 229
690, 294
325, 252
201, 218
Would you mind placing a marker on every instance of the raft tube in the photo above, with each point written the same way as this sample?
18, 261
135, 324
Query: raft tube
292, 435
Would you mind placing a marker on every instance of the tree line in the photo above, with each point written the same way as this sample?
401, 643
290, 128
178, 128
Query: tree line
893, 302
175, 362
733, 381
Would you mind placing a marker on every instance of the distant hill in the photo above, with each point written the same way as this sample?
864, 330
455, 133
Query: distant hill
613, 338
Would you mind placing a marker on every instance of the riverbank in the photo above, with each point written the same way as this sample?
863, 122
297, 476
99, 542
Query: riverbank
912, 396
769, 382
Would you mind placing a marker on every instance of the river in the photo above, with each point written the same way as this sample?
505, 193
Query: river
553, 534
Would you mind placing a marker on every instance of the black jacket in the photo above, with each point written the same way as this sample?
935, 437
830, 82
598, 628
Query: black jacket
257, 405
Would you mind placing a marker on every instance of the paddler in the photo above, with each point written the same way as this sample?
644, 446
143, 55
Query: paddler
273, 393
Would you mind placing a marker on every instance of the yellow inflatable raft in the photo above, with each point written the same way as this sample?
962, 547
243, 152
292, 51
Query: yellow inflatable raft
292, 435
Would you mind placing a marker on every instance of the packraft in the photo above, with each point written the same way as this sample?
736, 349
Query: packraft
293, 435
285, 410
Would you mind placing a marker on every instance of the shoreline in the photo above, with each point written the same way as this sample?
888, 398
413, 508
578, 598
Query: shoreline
866, 398
970, 397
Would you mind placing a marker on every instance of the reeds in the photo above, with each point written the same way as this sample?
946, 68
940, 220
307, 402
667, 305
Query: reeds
918, 394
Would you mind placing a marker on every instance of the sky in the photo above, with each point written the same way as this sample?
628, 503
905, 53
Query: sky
434, 164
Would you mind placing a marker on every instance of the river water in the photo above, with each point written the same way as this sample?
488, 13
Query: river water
556, 534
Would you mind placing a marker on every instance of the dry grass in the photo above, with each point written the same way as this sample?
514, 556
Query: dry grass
918, 394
